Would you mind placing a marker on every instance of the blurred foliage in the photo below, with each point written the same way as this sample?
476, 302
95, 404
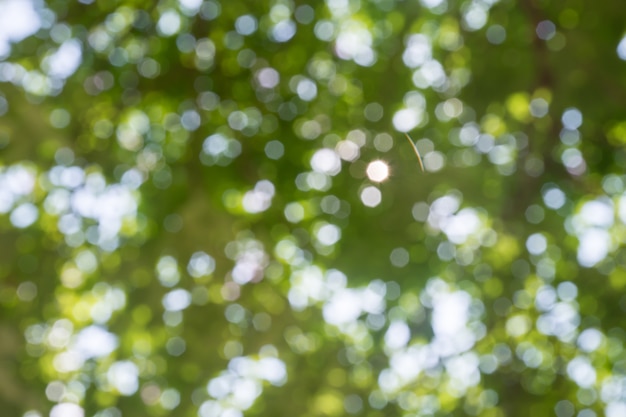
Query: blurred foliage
209, 208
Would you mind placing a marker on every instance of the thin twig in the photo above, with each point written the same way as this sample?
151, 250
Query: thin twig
417, 153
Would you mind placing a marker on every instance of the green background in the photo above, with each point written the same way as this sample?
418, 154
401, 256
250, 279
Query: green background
189, 227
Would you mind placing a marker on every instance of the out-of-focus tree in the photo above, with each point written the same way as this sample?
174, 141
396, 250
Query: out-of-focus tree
209, 208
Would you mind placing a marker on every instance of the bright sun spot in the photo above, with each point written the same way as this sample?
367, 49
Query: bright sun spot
378, 171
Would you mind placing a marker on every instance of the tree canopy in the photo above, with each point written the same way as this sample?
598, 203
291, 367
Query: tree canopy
210, 208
